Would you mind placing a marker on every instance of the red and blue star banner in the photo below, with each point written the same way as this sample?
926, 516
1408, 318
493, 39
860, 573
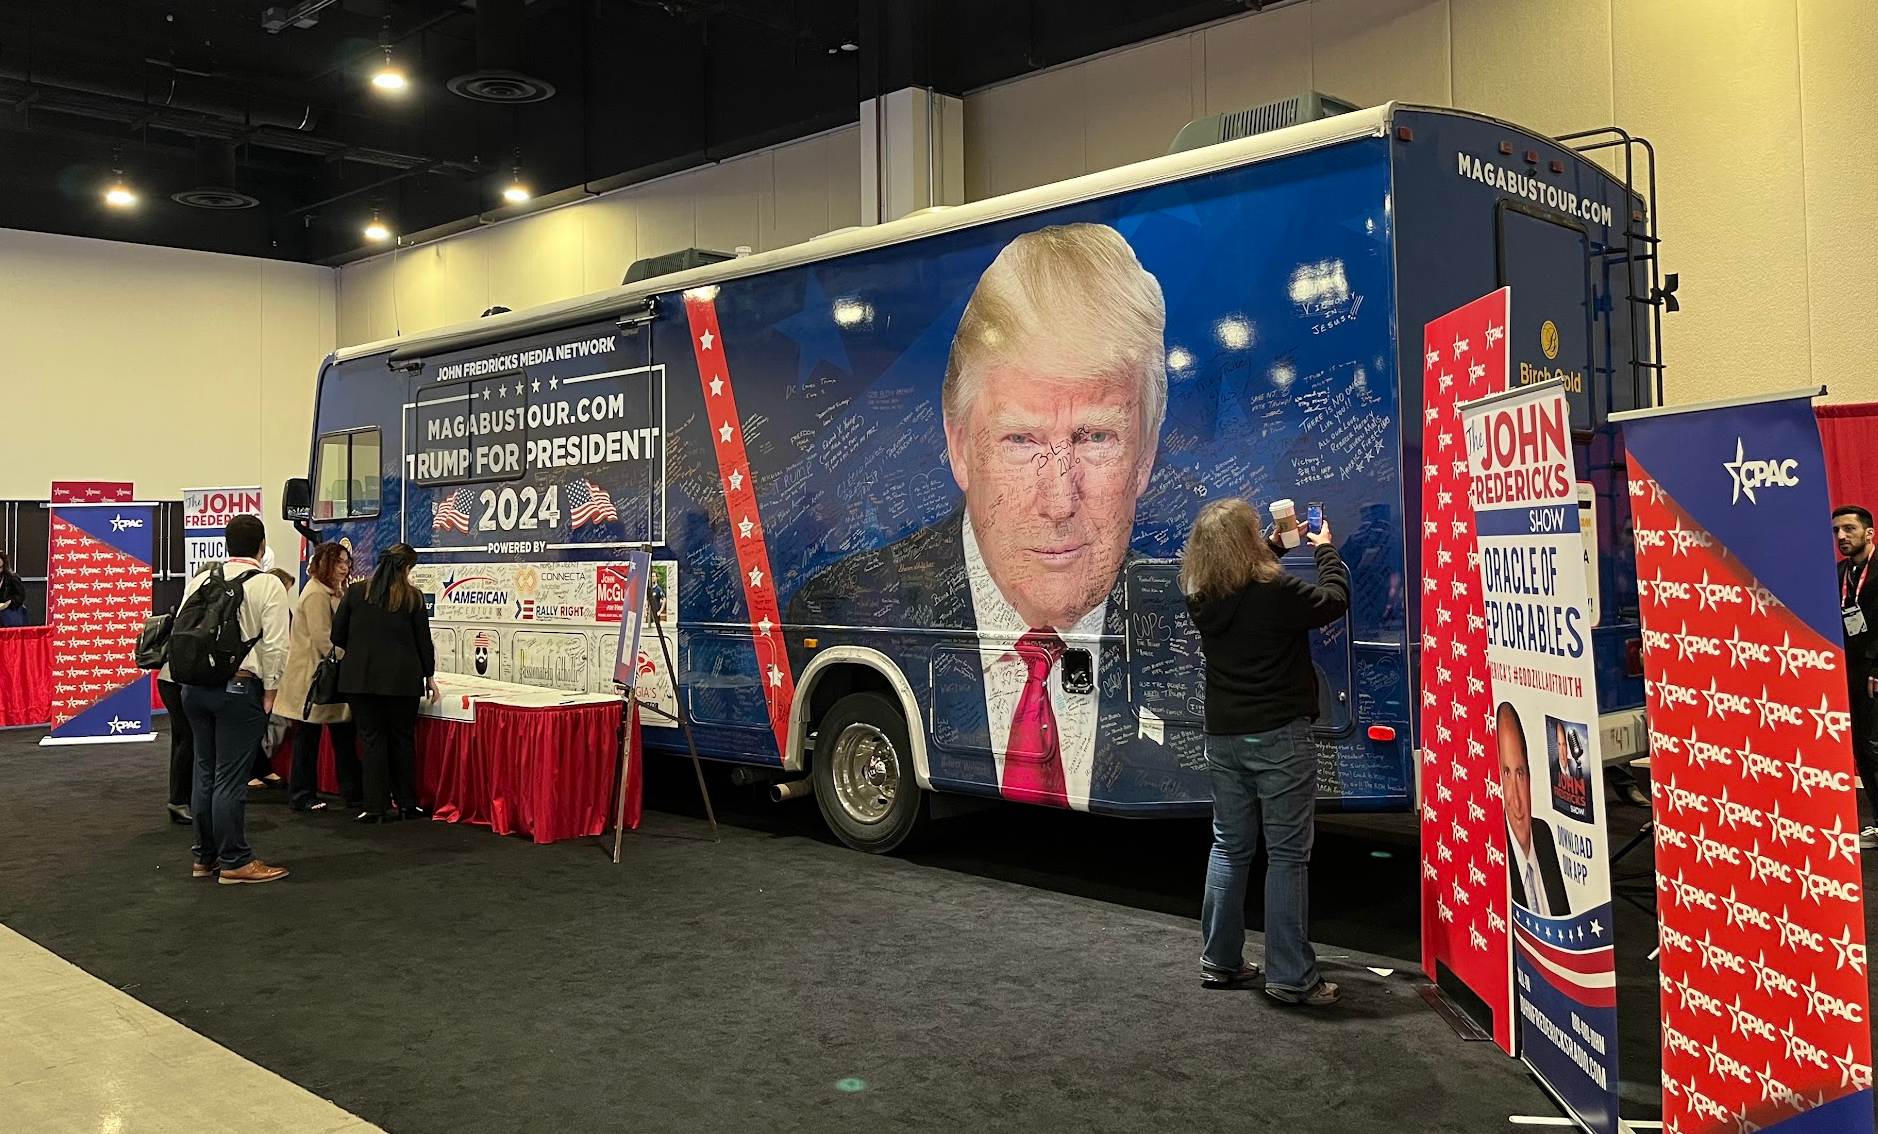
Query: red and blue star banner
1766, 1015
98, 598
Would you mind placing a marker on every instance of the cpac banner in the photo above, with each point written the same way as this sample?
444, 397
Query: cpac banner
1464, 922
1766, 1020
206, 512
92, 491
98, 598
1554, 854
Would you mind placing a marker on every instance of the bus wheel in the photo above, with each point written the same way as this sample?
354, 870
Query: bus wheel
863, 770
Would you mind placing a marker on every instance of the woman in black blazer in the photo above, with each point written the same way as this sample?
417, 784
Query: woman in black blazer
389, 661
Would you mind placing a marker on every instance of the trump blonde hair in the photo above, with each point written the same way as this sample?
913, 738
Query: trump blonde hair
1072, 301
1226, 552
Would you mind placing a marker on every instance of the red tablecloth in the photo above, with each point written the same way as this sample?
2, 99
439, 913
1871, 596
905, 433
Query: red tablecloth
547, 773
25, 675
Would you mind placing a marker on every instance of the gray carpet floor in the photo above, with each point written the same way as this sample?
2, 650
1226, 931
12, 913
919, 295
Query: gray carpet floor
436, 978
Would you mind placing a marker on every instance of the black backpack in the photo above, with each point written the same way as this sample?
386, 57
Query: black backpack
206, 646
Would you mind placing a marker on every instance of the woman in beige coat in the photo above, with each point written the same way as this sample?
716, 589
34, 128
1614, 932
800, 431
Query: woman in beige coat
309, 640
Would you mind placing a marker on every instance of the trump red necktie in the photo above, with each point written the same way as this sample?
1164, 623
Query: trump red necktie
1033, 760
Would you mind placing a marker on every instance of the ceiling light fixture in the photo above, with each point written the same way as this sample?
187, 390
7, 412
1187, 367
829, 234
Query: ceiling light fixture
517, 192
118, 195
388, 77
377, 230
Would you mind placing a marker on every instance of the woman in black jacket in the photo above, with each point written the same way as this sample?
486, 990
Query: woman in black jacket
389, 663
1261, 699
12, 594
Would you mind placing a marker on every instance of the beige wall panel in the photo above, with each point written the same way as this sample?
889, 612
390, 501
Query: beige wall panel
1543, 64
665, 216
844, 177
462, 286
1371, 51
802, 178
1027, 133
1838, 91
1257, 58
610, 233
533, 260
365, 301
728, 202
1135, 101
149, 334
1715, 85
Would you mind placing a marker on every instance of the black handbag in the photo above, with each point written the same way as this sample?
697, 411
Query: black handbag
324, 688
153, 642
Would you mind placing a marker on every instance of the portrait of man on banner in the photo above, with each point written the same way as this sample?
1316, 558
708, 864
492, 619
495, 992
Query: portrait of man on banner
1532, 853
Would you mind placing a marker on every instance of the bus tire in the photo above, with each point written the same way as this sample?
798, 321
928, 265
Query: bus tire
863, 771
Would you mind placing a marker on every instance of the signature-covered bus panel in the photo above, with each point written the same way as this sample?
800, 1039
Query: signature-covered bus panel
998, 549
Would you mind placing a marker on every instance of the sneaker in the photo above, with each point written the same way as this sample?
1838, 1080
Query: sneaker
1224, 980
254, 871
1322, 996
1868, 838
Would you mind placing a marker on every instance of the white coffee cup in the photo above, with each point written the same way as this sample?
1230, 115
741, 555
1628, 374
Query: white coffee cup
1285, 517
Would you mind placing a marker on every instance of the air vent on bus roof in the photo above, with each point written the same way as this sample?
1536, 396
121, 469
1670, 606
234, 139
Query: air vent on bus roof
645, 269
1307, 107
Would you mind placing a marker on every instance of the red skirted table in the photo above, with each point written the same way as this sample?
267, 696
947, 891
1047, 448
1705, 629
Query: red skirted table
25, 675
545, 771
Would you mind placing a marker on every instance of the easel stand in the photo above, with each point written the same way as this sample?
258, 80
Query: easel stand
629, 720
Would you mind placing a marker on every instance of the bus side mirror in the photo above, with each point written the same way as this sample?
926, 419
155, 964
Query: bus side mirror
296, 500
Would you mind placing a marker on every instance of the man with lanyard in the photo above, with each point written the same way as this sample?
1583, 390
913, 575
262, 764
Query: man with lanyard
1858, 603
230, 720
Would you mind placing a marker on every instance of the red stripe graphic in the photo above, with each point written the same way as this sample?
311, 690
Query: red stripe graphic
746, 524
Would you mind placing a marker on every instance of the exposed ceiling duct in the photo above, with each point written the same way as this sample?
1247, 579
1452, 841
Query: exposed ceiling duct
215, 179
498, 77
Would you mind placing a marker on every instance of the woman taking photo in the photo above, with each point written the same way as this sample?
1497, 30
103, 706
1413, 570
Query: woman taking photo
12, 594
1261, 698
388, 664
308, 642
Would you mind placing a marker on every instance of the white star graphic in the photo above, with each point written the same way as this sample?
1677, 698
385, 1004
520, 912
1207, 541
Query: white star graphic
717, 386
775, 676
756, 576
1460, 346
724, 431
1734, 472
1597, 930
554, 383
535, 385
704, 340
745, 527
1850, 951
485, 393
765, 626
1434, 356
736, 481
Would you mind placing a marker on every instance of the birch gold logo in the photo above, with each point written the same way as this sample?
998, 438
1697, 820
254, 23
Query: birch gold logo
1548, 339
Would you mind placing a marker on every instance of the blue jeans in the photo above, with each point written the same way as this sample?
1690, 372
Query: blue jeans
1266, 779
228, 723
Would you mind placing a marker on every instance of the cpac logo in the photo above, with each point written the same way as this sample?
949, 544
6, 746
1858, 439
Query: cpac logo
1761, 866
1754, 765
1776, 713
1716, 595
1495, 789
120, 725
1495, 856
1443, 853
1829, 720
1476, 685
1674, 938
1678, 1043
1476, 938
1721, 702
1476, 622
1457, 710
1717, 958
1714, 850
1443, 912
1652, 537
1818, 886
1694, 999
1840, 841
1444, 791
123, 523
1673, 695
1656, 639
1702, 1106
1668, 590
1850, 951
1475, 811
1737, 814
1745, 1023
1663, 742
1476, 875
1794, 658
1695, 645
1688, 895
1461, 896
1686, 538
1443, 616
1720, 1063
1807, 777
1824, 1004
1773, 1090
1667, 836
1794, 935
1429, 870
1801, 1050
1457, 831
1441, 731
1750, 475
1748, 651
1428, 527
1702, 753
1787, 830
1769, 979
1682, 799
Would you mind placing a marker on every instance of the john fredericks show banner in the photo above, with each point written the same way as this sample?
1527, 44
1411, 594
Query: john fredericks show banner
1766, 1021
1556, 859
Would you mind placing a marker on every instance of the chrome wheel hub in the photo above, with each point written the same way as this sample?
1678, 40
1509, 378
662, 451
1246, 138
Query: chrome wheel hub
866, 772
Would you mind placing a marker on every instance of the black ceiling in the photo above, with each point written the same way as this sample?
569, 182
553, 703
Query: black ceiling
171, 90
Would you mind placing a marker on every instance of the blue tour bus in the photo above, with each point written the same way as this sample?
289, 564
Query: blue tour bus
916, 493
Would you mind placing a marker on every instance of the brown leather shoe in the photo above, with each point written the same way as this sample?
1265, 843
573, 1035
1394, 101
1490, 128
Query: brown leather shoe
254, 871
197, 870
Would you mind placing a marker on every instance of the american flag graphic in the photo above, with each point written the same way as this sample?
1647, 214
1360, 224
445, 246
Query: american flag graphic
588, 503
454, 513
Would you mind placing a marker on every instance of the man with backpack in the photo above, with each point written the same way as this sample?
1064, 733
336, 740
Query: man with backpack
227, 649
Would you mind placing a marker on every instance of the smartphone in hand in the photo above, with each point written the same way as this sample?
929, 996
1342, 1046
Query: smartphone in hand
1315, 516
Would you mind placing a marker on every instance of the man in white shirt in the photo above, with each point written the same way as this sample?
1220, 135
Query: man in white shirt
230, 720
1538, 884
